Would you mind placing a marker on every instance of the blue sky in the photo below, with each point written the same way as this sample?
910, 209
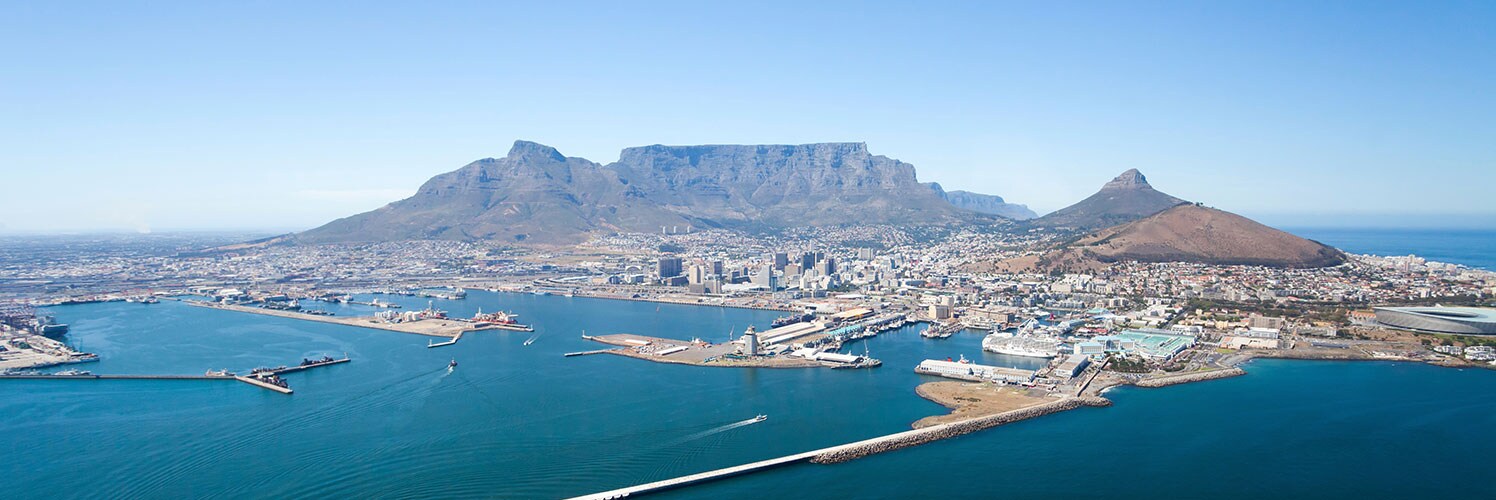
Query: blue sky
284, 115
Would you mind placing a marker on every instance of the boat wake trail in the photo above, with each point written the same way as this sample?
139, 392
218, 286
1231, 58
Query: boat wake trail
532, 338
709, 432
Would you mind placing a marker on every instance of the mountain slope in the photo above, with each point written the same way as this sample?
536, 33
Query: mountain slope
533, 192
536, 194
1191, 233
1124, 199
989, 204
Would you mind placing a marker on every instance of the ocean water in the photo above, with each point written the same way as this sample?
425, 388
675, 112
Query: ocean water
510, 421
515, 421
1470, 247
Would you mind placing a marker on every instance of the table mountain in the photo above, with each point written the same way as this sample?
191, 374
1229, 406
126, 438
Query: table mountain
536, 194
1124, 199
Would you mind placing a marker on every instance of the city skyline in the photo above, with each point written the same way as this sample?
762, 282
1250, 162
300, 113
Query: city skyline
193, 116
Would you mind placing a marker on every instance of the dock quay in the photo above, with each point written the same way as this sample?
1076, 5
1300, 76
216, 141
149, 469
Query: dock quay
586, 353
855, 450
279, 371
454, 340
428, 327
254, 381
118, 377
257, 378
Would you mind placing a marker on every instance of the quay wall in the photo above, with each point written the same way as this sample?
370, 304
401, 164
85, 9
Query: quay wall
1190, 377
921, 436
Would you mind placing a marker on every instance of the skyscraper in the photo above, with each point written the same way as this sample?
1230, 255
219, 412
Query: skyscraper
668, 267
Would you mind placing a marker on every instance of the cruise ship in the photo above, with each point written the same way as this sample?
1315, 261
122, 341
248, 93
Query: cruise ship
1033, 346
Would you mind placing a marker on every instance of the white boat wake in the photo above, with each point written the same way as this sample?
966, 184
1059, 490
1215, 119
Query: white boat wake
709, 432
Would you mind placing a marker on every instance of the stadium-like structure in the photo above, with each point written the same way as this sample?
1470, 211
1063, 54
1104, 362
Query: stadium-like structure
1438, 319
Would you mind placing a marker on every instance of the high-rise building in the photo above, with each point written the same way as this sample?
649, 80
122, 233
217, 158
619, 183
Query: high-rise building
807, 260
826, 266
697, 275
764, 277
793, 270
668, 267
780, 259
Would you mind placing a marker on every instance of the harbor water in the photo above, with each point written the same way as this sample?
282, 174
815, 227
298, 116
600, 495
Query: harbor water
521, 421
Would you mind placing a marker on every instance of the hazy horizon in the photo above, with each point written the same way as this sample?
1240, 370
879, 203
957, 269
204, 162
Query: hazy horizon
155, 117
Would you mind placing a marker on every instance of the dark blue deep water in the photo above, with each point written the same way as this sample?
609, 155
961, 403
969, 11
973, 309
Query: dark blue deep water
518, 421
1471, 247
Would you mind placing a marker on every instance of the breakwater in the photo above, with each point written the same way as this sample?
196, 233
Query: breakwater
935, 433
1190, 377
859, 449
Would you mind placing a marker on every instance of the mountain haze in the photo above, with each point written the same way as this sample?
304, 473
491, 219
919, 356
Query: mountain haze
988, 204
536, 194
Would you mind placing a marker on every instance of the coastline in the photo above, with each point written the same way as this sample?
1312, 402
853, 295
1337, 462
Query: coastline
591, 294
436, 328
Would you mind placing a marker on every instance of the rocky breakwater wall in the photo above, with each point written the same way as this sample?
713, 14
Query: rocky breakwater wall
1190, 377
934, 433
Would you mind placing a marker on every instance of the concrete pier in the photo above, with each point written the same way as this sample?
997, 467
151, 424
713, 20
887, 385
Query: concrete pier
308, 367
449, 342
118, 377
849, 451
263, 384
585, 353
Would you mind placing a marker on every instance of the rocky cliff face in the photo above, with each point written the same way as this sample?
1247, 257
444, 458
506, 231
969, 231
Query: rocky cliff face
802, 185
1124, 199
537, 194
989, 204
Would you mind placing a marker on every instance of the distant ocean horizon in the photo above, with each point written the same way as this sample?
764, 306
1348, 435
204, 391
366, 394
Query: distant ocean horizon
1471, 247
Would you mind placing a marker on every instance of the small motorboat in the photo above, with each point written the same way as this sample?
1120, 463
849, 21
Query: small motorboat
760, 418
452, 365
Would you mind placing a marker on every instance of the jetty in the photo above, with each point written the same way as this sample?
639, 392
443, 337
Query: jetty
454, 340
429, 327
585, 353
257, 382
850, 451
91, 376
259, 378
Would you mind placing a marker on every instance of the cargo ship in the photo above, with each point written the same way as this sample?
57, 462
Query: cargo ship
791, 319
48, 326
500, 320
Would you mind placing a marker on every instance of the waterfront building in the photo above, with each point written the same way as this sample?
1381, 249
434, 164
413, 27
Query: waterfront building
1157, 344
1071, 366
750, 342
974, 372
1149, 343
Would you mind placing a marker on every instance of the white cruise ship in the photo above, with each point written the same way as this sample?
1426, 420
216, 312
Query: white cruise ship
1021, 345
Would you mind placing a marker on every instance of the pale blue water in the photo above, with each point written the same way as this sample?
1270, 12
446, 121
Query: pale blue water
521, 421
1471, 247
